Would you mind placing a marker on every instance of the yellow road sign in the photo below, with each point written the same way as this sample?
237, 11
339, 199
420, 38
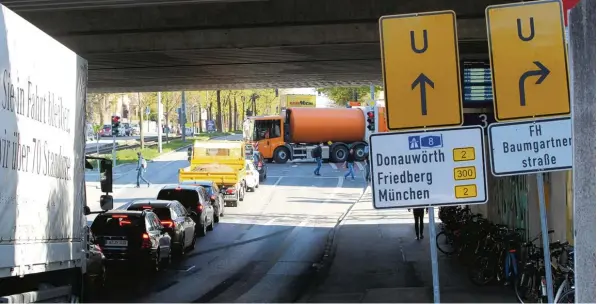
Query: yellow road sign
421, 70
528, 59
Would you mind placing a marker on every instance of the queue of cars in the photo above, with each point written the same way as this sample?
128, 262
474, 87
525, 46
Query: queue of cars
149, 233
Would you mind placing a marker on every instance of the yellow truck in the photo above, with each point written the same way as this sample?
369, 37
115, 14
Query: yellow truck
220, 161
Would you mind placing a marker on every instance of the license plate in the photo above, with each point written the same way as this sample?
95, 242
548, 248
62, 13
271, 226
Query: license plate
116, 243
229, 197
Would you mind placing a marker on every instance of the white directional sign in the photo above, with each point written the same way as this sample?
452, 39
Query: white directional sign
435, 167
530, 146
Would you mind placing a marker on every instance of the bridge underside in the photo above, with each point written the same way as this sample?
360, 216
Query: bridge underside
134, 46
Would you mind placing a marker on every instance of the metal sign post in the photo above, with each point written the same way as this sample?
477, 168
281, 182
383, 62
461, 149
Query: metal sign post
97, 152
426, 45
183, 120
113, 149
160, 114
434, 263
545, 237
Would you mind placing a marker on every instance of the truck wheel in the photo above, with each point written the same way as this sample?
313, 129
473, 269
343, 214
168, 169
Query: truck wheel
359, 152
281, 155
339, 154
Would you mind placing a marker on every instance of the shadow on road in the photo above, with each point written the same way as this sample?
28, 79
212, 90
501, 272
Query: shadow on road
236, 262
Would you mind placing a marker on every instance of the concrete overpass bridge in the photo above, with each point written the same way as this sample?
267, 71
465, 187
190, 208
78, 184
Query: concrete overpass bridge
140, 45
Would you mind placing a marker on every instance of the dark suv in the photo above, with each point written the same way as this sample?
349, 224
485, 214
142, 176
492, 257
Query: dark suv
213, 195
132, 236
193, 199
176, 220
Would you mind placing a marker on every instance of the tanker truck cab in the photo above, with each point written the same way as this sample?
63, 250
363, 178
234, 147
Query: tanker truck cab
265, 133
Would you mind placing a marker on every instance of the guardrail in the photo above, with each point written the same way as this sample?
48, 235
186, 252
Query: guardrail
149, 141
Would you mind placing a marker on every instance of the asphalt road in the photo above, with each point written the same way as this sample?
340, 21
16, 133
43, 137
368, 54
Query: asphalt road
262, 251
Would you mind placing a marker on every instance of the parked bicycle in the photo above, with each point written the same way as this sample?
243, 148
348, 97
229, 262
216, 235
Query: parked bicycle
496, 253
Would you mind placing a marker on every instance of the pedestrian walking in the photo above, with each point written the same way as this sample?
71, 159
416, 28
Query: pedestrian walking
349, 164
418, 214
316, 153
141, 168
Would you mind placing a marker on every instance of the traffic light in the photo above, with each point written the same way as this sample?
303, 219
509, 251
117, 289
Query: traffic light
115, 125
371, 121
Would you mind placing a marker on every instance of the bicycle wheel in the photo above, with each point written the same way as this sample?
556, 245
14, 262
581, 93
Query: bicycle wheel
482, 271
444, 243
567, 297
525, 288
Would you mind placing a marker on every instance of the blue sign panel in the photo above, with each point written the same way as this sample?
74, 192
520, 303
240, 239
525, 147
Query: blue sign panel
425, 142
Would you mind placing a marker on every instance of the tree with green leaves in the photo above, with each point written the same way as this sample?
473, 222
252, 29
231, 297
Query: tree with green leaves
342, 95
195, 100
170, 102
99, 104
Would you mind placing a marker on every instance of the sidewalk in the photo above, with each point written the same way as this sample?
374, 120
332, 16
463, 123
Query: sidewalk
377, 259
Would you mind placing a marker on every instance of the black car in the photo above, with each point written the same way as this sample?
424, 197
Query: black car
213, 195
260, 165
95, 277
132, 236
176, 220
193, 199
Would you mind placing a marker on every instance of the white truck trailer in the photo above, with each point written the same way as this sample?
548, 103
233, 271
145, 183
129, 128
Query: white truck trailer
43, 233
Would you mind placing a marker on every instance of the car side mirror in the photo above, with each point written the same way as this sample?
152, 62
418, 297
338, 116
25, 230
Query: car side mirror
106, 202
106, 175
86, 210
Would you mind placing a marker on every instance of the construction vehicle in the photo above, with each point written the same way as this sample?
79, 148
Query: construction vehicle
220, 161
295, 134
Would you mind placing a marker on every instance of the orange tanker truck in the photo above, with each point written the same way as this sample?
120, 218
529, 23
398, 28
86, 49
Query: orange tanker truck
294, 135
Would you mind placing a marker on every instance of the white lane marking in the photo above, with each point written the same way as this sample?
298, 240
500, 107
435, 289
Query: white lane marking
189, 268
278, 181
335, 191
334, 166
272, 190
360, 166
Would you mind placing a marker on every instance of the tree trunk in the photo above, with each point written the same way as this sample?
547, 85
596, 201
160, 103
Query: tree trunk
210, 115
219, 116
235, 114
244, 111
229, 114
254, 106
101, 115
167, 118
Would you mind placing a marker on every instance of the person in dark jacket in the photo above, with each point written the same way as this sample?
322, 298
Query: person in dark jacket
419, 213
317, 155
350, 164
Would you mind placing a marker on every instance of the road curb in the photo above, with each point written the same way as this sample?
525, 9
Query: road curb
322, 268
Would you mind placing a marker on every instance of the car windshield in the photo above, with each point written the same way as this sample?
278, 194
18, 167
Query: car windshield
162, 212
117, 225
209, 189
188, 198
